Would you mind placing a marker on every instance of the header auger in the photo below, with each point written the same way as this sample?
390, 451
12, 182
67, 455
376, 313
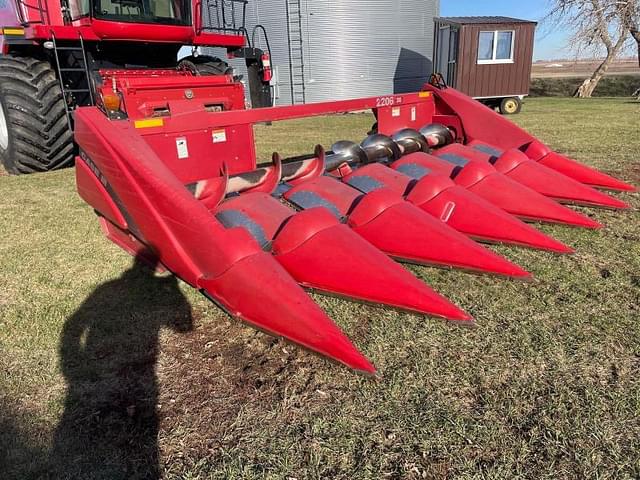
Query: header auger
167, 174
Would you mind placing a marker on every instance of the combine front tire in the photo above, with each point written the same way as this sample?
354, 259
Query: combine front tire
34, 134
205, 65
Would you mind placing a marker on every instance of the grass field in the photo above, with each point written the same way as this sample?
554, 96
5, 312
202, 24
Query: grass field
108, 372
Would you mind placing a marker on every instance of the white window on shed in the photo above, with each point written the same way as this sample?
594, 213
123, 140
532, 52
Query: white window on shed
496, 46
485, 46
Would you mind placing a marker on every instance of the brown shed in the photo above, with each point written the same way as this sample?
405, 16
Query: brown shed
488, 58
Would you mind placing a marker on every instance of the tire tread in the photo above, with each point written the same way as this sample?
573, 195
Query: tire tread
31, 94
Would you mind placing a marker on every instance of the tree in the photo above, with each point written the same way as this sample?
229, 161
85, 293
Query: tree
629, 14
596, 27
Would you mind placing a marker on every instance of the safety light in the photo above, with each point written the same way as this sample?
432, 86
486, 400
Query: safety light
111, 102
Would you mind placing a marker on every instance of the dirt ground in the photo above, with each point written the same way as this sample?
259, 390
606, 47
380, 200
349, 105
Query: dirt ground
573, 68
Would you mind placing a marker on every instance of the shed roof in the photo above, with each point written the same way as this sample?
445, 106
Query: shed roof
480, 20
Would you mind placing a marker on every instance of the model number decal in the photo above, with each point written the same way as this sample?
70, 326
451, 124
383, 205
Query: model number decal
388, 101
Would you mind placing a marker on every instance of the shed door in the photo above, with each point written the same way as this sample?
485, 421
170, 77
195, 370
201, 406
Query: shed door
447, 53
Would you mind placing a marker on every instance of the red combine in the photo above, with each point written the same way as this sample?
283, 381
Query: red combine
55, 55
167, 159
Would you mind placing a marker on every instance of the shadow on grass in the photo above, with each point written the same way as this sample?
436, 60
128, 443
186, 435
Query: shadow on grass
108, 353
20, 453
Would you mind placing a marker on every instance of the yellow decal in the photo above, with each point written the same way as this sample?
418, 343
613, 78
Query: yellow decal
424, 94
13, 31
148, 123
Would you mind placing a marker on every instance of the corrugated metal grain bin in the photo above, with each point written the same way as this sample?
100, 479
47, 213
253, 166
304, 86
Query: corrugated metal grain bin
488, 58
333, 50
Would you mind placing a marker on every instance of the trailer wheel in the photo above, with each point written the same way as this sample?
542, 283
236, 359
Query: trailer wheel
205, 65
510, 106
34, 133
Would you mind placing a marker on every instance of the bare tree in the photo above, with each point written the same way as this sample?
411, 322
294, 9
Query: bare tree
629, 14
596, 26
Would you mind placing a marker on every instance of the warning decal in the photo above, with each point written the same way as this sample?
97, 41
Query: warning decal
219, 136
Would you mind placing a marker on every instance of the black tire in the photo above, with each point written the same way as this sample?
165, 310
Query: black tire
510, 106
39, 138
205, 65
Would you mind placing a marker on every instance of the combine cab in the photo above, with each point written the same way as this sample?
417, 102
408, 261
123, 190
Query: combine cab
55, 55
169, 165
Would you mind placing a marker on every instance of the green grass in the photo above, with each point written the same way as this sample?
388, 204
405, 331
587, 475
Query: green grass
108, 372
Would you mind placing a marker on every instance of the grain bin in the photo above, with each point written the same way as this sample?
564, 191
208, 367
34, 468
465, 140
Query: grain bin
333, 50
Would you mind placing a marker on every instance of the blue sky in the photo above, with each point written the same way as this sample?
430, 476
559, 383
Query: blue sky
550, 44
